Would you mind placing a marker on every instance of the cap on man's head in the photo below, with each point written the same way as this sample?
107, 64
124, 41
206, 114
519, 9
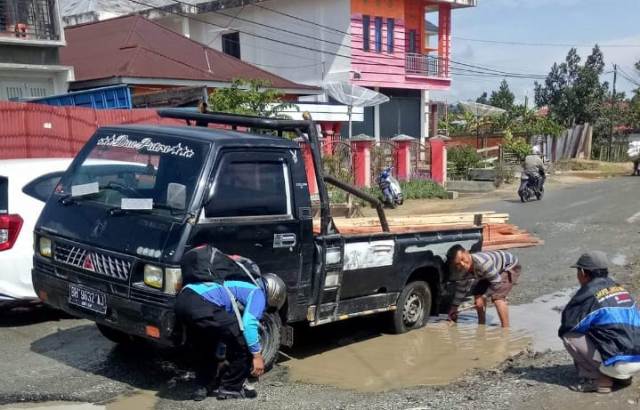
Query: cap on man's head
592, 260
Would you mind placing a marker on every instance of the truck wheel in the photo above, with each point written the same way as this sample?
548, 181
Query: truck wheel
117, 336
413, 307
270, 326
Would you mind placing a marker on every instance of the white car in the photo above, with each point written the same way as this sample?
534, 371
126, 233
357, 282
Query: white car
27, 183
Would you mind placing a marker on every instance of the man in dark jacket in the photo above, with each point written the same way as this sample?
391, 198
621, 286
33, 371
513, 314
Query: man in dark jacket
533, 166
214, 285
601, 328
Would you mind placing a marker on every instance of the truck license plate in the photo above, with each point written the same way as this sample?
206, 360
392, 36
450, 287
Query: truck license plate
88, 298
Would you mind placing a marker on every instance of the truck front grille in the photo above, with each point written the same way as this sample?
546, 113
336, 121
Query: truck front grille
98, 262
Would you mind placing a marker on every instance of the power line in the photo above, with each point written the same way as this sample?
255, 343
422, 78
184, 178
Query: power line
252, 34
347, 34
627, 76
455, 37
237, 17
278, 29
503, 73
288, 66
528, 44
303, 20
452, 70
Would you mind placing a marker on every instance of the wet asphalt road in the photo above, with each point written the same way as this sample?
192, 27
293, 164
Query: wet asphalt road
599, 215
45, 357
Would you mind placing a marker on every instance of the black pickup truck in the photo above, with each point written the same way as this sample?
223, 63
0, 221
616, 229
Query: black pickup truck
109, 240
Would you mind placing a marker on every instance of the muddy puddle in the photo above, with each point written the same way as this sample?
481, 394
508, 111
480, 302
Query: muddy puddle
434, 355
138, 400
437, 354
540, 319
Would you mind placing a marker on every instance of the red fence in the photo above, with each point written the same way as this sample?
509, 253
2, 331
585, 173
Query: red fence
41, 131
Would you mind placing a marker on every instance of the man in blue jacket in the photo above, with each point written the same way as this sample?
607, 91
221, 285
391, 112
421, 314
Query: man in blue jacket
601, 328
208, 307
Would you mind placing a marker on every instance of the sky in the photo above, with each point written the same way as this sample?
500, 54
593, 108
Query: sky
582, 22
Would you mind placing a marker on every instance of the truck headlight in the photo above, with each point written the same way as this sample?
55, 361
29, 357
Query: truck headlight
172, 280
153, 276
44, 246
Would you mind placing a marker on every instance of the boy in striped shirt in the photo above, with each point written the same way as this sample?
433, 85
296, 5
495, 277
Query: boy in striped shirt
484, 274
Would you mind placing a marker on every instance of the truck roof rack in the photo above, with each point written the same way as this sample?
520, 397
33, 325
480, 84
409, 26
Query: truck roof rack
237, 120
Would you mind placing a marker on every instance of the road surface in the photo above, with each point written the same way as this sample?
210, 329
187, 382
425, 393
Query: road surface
46, 358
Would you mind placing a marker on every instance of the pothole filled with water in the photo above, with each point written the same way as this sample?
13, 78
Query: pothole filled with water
434, 355
437, 354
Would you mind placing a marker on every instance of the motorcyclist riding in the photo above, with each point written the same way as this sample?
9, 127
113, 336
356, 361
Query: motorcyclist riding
534, 169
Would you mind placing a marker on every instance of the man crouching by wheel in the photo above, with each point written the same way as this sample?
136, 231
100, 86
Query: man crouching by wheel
216, 288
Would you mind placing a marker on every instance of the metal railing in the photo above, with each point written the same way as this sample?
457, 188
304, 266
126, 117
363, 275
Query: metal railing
423, 64
29, 19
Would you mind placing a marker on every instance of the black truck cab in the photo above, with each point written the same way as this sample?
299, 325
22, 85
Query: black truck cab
109, 240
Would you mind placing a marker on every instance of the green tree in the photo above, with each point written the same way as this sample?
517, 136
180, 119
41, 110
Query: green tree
572, 91
483, 99
249, 97
503, 98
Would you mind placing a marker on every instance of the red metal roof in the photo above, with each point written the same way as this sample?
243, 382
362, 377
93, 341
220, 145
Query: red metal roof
132, 46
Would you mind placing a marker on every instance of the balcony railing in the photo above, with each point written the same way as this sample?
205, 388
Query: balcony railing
424, 65
29, 20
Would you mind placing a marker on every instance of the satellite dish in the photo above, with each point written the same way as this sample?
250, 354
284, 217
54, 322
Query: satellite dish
354, 96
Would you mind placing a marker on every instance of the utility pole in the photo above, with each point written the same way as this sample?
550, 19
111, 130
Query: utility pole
613, 102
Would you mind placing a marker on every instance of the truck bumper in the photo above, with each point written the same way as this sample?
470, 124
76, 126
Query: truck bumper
123, 314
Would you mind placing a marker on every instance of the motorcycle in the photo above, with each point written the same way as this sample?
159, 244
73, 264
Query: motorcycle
390, 187
529, 187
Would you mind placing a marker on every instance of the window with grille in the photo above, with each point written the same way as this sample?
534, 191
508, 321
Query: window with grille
366, 28
14, 92
378, 28
231, 44
29, 19
391, 24
38, 92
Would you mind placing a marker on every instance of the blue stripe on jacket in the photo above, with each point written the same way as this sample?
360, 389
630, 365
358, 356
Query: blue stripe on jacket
609, 316
621, 358
247, 294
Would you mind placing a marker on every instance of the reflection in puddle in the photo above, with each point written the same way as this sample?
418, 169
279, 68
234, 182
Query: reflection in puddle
540, 319
138, 400
436, 354
52, 405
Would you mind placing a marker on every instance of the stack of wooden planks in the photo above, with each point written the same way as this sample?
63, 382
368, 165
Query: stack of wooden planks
418, 221
497, 234
507, 236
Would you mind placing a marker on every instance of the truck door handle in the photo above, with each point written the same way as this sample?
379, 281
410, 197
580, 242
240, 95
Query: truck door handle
284, 240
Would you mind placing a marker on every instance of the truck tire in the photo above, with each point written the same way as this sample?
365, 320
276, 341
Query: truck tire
270, 330
413, 307
118, 337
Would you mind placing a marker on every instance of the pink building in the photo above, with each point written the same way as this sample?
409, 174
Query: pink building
402, 49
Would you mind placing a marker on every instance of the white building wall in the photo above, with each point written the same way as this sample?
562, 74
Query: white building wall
291, 62
33, 81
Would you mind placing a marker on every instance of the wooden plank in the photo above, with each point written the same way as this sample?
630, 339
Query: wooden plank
438, 219
510, 246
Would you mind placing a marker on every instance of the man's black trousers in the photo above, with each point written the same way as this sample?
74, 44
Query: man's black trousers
207, 326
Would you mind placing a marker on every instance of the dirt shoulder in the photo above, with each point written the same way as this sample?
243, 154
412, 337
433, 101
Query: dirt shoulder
479, 201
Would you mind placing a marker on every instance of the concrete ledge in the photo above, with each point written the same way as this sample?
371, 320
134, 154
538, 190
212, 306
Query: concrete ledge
471, 186
482, 174
452, 194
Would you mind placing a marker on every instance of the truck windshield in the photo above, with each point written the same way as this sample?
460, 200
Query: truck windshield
137, 173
